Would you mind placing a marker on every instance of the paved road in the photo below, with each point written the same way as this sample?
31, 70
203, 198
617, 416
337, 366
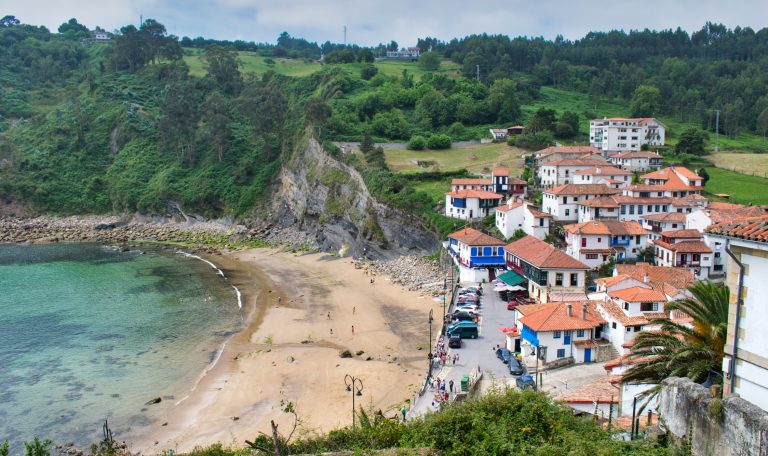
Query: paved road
477, 352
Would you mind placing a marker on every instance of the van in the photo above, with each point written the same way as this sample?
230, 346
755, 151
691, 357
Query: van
464, 331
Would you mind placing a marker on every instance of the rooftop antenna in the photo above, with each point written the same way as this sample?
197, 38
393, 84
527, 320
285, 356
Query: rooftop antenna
141, 20
345, 35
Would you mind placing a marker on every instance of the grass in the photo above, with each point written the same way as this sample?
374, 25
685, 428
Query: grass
476, 159
746, 163
743, 189
254, 63
434, 188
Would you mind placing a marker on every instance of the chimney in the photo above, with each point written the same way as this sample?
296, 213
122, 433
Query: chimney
583, 311
568, 310
645, 278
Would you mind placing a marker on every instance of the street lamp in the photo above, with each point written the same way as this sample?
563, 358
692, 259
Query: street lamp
445, 286
354, 386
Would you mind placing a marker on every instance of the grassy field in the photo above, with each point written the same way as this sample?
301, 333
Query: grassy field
746, 163
742, 188
434, 188
476, 159
254, 63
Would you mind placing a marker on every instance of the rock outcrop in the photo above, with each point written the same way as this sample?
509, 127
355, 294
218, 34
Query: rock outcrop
329, 200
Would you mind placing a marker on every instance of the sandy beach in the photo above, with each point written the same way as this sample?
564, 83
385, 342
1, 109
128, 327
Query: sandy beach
300, 311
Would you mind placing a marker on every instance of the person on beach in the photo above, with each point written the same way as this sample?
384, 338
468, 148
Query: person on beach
353, 310
329, 315
403, 411
353, 330
331, 331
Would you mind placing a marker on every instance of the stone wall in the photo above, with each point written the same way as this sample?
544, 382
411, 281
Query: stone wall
689, 412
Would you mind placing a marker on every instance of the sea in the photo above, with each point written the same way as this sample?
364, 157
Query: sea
90, 333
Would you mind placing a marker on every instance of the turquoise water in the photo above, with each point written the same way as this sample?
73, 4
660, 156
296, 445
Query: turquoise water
88, 333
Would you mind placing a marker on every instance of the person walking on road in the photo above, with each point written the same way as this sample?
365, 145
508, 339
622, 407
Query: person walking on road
403, 411
450, 386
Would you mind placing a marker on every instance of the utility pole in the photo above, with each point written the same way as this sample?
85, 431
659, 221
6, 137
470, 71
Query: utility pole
478, 72
345, 35
717, 129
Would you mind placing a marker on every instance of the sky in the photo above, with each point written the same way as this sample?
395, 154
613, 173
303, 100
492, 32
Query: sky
370, 22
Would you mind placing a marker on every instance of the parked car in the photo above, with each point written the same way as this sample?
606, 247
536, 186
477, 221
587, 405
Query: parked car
525, 382
504, 355
463, 329
454, 341
515, 368
468, 301
464, 316
477, 290
468, 298
512, 305
468, 308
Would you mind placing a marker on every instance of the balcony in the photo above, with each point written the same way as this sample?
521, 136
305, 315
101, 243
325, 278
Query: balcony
620, 242
688, 264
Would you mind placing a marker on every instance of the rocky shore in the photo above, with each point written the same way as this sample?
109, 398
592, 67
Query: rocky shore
415, 273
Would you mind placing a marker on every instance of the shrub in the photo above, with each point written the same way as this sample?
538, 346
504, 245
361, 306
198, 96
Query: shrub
417, 143
368, 72
439, 142
533, 141
269, 61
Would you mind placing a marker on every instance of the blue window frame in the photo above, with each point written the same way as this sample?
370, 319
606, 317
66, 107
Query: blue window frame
561, 353
579, 333
623, 209
631, 209
556, 335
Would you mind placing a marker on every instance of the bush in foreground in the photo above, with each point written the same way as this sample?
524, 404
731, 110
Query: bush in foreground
417, 143
439, 142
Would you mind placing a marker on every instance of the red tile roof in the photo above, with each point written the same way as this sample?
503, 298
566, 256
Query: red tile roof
500, 172
468, 193
517, 181
639, 154
753, 229
602, 201
609, 227
601, 391
465, 181
682, 234
576, 162
638, 294
677, 277
685, 246
719, 213
553, 317
583, 189
471, 236
665, 217
537, 213
611, 308
603, 171
542, 255
509, 207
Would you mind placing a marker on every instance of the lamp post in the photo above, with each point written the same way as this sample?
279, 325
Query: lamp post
445, 286
354, 386
430, 329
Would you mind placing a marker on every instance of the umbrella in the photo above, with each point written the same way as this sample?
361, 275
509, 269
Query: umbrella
501, 288
515, 288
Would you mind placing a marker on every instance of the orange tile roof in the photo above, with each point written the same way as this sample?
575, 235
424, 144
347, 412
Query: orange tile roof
469, 193
672, 179
685, 246
576, 162
603, 171
639, 154
611, 308
500, 172
553, 317
638, 294
509, 207
719, 214
621, 199
517, 181
471, 236
613, 280
542, 255
609, 227
601, 201
753, 229
537, 213
466, 181
583, 189
600, 391
665, 217
677, 277
682, 234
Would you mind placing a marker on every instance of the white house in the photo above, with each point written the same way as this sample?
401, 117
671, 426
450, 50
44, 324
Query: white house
476, 254
461, 183
557, 153
562, 201
470, 204
629, 311
657, 223
594, 243
563, 331
411, 53
640, 161
621, 207
608, 175
620, 134
746, 348
628, 391
561, 172
519, 215
684, 249
675, 181
549, 271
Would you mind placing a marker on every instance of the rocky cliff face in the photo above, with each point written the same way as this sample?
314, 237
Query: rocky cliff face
329, 200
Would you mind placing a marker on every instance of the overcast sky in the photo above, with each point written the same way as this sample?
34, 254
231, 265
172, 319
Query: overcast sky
373, 21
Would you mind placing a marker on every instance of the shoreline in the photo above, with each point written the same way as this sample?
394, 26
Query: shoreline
238, 395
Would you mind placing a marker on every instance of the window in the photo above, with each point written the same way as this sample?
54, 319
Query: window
613, 325
565, 200
629, 329
574, 279
556, 335
559, 279
640, 209
631, 209
591, 256
626, 306
579, 333
623, 209
637, 239
674, 225
599, 240
583, 242
567, 212
541, 222
638, 328
561, 353
650, 208
649, 306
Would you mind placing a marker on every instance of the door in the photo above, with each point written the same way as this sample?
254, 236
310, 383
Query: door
566, 338
587, 355
517, 345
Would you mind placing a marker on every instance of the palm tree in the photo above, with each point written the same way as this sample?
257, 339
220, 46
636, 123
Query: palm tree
680, 350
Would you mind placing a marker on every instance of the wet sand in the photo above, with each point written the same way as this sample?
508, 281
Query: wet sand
287, 352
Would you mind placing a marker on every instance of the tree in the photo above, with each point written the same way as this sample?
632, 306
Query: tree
429, 61
365, 56
564, 130
216, 121
368, 71
542, 120
691, 142
73, 29
532, 141
9, 21
762, 122
646, 101
367, 145
417, 143
572, 119
503, 103
376, 158
704, 176
439, 142
681, 351
223, 67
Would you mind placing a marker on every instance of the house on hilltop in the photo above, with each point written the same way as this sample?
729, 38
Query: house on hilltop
619, 134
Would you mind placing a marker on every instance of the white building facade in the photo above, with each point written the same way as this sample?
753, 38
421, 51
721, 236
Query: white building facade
620, 134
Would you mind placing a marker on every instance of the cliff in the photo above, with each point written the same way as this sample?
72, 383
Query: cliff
328, 199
